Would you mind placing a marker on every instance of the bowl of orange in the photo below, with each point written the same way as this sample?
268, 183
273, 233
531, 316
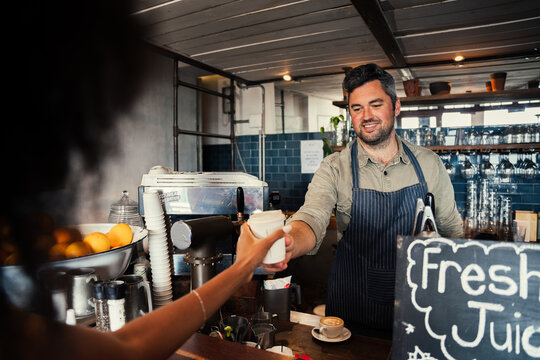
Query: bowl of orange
106, 247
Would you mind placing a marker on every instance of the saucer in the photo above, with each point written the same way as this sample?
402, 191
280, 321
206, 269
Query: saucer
344, 336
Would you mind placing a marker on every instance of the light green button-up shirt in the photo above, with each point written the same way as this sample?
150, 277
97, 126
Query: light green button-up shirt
332, 186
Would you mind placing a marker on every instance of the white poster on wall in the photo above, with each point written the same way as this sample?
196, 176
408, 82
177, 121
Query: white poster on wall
311, 155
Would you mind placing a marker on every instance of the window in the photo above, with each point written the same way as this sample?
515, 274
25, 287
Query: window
409, 123
456, 119
416, 122
530, 115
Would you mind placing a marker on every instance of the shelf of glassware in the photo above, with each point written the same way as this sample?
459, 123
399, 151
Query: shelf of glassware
502, 148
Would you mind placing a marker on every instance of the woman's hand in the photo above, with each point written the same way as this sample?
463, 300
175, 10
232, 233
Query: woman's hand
282, 265
252, 250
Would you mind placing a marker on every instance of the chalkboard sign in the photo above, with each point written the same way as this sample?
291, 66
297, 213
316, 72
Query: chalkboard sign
466, 299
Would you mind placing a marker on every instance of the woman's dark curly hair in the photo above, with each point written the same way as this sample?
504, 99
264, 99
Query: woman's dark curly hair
73, 68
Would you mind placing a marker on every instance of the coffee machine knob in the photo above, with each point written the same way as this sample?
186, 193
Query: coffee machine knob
181, 235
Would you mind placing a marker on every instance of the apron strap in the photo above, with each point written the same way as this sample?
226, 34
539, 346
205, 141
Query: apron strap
416, 165
354, 164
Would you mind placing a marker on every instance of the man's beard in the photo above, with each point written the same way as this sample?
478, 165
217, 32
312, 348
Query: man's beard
383, 136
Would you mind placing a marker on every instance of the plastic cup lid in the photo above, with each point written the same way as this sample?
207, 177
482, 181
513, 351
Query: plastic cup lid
267, 216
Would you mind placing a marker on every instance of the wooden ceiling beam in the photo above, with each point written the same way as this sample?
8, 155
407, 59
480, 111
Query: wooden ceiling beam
372, 13
533, 56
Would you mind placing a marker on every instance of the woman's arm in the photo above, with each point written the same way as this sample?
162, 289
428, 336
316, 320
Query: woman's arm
159, 334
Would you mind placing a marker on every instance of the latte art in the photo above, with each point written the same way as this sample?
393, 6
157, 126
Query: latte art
331, 321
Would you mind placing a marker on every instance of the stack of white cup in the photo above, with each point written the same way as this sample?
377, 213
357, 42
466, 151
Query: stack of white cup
158, 247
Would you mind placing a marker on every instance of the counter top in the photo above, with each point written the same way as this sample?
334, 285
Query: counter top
297, 336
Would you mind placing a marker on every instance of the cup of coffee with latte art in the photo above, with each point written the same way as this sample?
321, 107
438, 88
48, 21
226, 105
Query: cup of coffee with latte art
331, 326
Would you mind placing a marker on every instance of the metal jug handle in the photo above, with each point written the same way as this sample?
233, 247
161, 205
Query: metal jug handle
94, 278
428, 216
419, 208
148, 296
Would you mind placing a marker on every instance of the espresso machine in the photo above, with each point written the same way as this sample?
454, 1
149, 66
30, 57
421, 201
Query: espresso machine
205, 211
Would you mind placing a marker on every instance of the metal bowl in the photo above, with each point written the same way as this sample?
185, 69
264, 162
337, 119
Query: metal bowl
107, 264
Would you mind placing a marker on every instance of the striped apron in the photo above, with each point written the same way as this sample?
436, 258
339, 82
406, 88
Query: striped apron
361, 280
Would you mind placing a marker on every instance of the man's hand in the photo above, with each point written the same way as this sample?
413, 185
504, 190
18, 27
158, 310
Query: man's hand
252, 249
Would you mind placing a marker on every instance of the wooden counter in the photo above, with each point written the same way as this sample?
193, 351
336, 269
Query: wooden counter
293, 335
298, 337
204, 347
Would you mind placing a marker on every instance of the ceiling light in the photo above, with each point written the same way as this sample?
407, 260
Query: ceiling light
287, 77
458, 58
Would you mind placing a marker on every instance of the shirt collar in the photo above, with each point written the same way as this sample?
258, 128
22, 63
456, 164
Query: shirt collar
402, 154
363, 156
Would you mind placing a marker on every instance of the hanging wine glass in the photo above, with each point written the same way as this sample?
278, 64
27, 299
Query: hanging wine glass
518, 168
529, 168
450, 169
468, 169
487, 169
505, 169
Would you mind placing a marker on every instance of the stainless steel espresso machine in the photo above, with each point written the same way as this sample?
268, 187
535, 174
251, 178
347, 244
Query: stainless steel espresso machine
205, 209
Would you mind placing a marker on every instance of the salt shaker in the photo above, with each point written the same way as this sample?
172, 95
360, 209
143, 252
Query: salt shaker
116, 291
100, 305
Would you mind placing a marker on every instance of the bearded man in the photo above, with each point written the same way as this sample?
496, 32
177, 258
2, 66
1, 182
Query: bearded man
373, 185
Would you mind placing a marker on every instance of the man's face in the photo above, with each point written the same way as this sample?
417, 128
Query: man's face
372, 113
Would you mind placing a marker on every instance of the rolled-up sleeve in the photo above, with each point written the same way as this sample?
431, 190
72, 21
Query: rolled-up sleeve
320, 200
449, 223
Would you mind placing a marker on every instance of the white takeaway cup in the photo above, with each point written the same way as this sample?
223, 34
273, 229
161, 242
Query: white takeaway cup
263, 224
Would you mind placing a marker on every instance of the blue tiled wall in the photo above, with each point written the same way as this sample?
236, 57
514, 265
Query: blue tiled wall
283, 168
283, 171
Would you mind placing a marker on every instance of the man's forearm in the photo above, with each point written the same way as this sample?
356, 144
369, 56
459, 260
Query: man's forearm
303, 236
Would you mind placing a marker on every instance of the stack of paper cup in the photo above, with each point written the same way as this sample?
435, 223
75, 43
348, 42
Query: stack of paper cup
158, 246
263, 224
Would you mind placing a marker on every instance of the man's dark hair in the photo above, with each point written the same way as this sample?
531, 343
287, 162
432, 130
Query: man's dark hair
363, 74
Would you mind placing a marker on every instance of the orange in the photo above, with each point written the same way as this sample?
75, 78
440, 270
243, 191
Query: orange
120, 235
66, 235
97, 242
76, 249
58, 251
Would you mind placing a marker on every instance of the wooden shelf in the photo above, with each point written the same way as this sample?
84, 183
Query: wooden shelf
502, 148
467, 98
340, 103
